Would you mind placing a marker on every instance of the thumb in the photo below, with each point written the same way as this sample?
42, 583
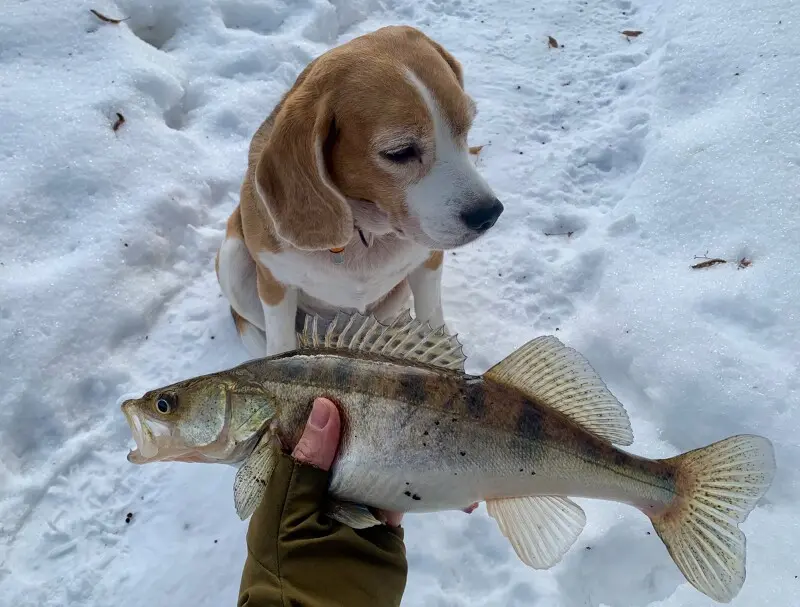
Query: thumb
320, 439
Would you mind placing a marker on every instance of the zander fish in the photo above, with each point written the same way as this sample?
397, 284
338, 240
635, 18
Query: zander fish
420, 435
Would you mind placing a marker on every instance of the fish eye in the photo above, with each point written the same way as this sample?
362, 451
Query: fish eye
165, 404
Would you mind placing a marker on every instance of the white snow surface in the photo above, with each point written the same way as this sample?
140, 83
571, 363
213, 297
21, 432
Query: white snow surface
646, 150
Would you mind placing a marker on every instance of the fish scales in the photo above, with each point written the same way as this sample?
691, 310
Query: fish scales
432, 424
419, 434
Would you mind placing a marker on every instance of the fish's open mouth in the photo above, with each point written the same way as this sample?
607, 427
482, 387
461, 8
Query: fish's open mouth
135, 456
145, 445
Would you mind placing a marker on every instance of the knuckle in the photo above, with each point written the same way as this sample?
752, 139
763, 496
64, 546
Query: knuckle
304, 451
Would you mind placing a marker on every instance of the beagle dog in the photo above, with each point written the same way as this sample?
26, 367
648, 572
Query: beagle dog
356, 183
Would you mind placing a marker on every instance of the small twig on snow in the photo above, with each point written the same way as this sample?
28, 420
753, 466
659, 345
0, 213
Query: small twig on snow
742, 263
708, 263
102, 17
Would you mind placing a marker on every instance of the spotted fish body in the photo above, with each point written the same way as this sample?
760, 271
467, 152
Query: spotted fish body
420, 438
420, 435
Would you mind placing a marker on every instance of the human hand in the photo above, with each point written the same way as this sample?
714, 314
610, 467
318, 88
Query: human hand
320, 441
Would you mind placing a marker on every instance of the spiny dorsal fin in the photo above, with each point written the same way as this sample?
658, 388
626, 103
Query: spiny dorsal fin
561, 378
404, 339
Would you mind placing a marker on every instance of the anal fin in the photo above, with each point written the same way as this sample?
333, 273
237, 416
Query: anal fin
352, 515
253, 476
541, 529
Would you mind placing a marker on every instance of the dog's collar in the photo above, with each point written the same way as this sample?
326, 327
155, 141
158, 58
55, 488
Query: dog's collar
337, 254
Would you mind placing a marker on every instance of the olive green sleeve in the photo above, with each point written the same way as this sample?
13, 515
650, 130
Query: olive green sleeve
297, 556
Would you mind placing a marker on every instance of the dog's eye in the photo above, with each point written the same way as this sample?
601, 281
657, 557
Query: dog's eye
402, 155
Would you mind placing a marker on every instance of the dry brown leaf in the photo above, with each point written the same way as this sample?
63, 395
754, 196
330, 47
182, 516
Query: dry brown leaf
102, 17
631, 33
118, 123
552, 42
475, 149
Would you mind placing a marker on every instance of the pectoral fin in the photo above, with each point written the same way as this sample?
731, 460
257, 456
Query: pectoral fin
253, 477
541, 529
352, 515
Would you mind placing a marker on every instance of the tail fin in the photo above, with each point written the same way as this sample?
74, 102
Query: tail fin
717, 488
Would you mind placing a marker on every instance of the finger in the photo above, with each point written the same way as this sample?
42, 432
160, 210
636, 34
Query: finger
393, 519
317, 446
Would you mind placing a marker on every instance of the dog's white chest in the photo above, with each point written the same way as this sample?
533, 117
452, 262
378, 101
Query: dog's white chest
365, 275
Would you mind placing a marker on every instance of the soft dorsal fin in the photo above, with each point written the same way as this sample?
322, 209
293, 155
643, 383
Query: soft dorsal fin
403, 339
559, 377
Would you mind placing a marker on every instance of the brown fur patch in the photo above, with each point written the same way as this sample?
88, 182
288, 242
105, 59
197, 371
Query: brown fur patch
233, 229
270, 291
257, 227
435, 260
240, 322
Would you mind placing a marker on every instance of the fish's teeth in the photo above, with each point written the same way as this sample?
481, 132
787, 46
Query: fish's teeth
136, 430
143, 436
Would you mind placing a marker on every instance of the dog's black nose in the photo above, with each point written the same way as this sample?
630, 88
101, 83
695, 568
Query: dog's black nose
484, 216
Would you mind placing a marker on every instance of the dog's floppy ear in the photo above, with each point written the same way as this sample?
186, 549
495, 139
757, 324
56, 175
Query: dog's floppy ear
451, 61
306, 207
415, 34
